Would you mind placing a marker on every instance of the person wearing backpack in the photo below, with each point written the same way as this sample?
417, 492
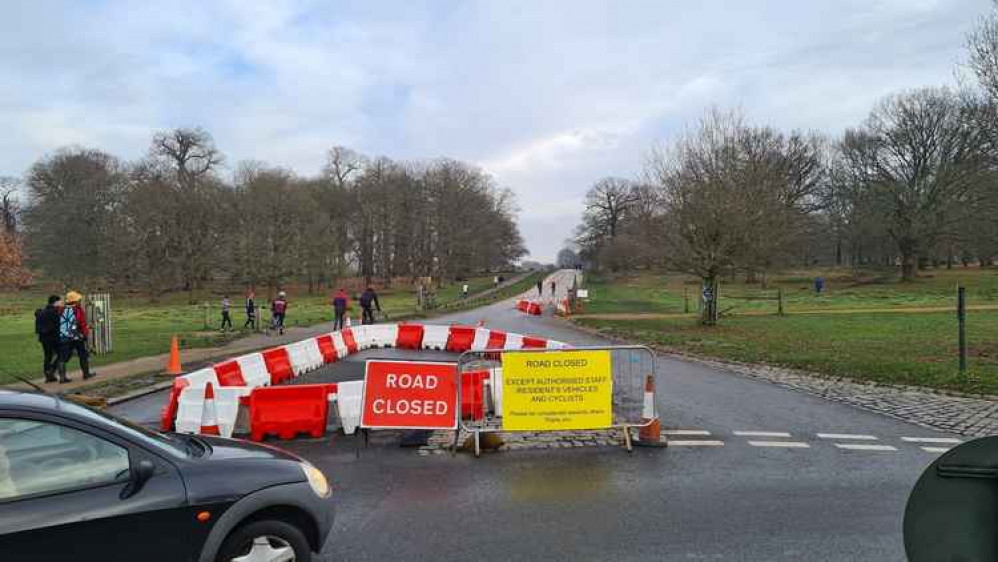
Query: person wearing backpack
278, 308
47, 328
73, 332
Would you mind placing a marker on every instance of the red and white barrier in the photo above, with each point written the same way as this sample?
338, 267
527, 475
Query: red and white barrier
237, 378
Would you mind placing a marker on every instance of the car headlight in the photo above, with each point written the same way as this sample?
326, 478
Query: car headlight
317, 480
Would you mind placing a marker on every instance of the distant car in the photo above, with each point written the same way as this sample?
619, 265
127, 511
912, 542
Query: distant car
79, 484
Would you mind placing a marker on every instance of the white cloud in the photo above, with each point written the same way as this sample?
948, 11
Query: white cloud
550, 96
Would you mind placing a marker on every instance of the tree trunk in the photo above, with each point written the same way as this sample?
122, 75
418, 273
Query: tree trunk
838, 251
709, 312
908, 263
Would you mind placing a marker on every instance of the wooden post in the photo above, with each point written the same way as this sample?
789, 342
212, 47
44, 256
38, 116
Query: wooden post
205, 315
961, 317
686, 300
779, 297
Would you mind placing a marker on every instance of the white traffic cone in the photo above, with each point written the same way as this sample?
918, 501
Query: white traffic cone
348, 321
650, 434
209, 418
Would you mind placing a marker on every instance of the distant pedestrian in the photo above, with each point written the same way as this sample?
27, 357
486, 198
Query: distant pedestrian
464, 291
47, 328
819, 284
495, 280
502, 279
226, 315
368, 298
250, 311
278, 308
73, 333
341, 301
552, 289
540, 288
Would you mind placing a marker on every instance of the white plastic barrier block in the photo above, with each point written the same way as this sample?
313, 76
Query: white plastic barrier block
362, 335
303, 356
254, 370
513, 341
348, 402
383, 335
340, 345
435, 337
190, 408
199, 378
481, 340
556, 345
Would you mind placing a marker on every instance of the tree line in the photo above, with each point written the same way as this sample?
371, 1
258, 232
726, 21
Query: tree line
915, 184
171, 220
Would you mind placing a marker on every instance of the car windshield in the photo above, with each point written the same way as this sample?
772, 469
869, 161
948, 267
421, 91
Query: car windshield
171, 444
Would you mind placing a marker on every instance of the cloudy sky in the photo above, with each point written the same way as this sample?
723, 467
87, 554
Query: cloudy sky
548, 96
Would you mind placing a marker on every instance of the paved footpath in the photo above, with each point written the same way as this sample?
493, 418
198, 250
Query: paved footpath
755, 471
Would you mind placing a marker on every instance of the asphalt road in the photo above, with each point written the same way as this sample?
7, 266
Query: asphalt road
755, 472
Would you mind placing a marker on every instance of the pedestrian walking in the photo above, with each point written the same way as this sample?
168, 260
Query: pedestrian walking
278, 308
819, 284
540, 288
368, 298
73, 333
552, 289
495, 281
341, 301
226, 315
464, 291
47, 328
250, 311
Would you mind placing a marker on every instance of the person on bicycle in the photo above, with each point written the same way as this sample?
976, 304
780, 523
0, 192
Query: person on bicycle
367, 298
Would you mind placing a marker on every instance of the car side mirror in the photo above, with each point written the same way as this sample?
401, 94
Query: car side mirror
141, 473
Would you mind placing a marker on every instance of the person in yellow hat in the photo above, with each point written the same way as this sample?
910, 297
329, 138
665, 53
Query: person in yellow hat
73, 333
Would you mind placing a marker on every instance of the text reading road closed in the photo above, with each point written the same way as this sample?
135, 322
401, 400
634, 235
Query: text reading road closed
410, 395
557, 390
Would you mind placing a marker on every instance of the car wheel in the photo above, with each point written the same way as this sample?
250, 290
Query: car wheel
265, 541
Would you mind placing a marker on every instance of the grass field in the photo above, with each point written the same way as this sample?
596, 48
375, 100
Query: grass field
847, 331
144, 328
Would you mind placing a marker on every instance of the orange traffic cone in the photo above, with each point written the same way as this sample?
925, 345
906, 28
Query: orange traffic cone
209, 419
650, 434
173, 368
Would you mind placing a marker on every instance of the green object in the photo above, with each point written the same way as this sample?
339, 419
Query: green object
952, 513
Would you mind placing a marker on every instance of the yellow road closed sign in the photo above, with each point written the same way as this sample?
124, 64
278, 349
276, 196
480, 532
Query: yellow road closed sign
555, 390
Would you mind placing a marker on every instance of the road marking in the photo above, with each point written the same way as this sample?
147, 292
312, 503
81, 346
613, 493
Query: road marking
865, 447
762, 433
847, 436
786, 444
931, 440
687, 432
935, 449
696, 443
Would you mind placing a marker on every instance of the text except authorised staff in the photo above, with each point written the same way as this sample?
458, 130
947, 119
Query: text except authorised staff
557, 390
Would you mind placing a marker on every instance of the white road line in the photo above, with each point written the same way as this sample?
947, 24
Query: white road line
931, 440
865, 447
696, 443
847, 436
762, 433
786, 444
699, 432
935, 449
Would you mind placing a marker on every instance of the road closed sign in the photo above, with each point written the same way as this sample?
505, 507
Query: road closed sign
557, 390
409, 395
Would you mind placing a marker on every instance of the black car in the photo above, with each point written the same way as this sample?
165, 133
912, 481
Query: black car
79, 484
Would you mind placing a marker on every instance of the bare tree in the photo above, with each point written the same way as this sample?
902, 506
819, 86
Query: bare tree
191, 152
918, 159
982, 47
10, 208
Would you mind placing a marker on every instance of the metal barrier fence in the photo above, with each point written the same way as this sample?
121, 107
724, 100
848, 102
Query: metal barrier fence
559, 384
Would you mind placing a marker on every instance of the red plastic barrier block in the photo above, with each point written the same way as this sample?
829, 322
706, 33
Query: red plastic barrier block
327, 348
530, 342
473, 394
348, 339
229, 374
172, 403
497, 340
286, 411
535, 308
460, 338
278, 365
410, 336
